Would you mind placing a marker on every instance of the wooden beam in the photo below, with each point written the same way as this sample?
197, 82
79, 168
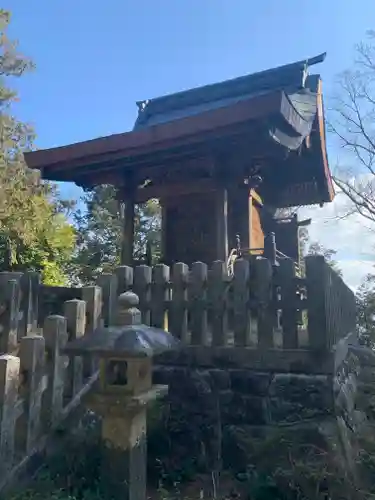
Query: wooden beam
221, 214
174, 190
322, 137
189, 130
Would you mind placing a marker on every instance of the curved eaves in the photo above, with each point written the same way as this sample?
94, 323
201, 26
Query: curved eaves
293, 126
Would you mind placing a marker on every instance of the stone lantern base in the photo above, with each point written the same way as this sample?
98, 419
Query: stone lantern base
124, 440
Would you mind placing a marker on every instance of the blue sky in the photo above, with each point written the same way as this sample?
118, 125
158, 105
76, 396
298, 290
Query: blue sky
94, 60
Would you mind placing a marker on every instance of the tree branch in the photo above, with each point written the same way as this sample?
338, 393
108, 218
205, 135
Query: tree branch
354, 128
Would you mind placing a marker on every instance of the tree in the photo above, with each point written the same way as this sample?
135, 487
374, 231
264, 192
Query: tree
366, 307
34, 232
308, 247
99, 231
52, 250
316, 248
353, 124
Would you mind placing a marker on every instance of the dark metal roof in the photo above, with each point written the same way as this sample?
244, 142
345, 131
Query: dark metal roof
293, 79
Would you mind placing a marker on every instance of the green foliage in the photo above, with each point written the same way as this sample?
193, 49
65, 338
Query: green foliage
74, 472
366, 307
99, 233
303, 464
301, 468
329, 254
34, 232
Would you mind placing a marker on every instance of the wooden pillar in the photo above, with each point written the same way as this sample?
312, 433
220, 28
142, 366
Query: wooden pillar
127, 198
251, 224
221, 214
164, 252
128, 233
256, 216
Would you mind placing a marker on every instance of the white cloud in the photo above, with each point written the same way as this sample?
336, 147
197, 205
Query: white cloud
350, 237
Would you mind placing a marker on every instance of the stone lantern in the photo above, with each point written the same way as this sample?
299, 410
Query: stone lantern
123, 391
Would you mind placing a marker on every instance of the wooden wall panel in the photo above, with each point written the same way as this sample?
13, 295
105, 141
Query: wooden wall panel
238, 217
190, 229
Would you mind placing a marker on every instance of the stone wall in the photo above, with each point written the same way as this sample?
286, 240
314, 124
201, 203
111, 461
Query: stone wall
216, 412
363, 387
253, 397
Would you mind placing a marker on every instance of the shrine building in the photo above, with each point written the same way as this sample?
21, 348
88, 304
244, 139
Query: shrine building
221, 159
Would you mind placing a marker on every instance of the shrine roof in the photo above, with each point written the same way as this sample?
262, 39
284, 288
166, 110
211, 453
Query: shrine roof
284, 105
293, 79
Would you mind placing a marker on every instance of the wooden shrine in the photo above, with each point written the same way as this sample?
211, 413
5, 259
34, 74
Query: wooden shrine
221, 159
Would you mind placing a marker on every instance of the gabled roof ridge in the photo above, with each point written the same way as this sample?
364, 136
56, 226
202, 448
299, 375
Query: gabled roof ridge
289, 76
